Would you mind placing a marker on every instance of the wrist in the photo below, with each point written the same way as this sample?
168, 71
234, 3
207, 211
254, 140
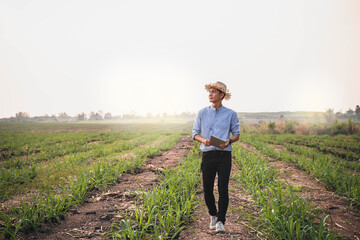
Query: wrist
230, 141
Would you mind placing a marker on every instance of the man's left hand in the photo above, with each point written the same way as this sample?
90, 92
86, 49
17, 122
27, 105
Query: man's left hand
227, 142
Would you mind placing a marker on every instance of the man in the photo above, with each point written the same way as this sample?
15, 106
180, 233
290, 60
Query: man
218, 121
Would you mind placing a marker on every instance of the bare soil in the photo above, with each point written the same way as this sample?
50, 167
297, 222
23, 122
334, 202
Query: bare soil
94, 218
346, 219
236, 226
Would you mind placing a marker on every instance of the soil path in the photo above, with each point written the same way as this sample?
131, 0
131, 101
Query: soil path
236, 224
346, 220
94, 218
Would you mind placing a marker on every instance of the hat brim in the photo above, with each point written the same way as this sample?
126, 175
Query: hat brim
211, 85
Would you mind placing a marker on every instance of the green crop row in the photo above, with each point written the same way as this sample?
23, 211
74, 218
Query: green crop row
336, 177
161, 213
19, 174
45, 146
310, 152
93, 127
345, 147
313, 153
51, 207
54, 127
282, 213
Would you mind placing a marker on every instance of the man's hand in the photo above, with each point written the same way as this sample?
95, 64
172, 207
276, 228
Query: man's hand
227, 142
207, 142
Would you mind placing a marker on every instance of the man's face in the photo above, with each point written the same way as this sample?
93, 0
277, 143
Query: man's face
214, 95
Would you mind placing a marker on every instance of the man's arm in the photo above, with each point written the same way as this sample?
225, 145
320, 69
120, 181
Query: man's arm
234, 138
197, 131
205, 141
234, 129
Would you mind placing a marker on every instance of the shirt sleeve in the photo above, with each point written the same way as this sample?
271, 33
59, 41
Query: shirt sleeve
235, 124
197, 126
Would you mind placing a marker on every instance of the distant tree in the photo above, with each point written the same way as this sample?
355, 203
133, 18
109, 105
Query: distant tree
63, 115
53, 118
338, 114
130, 115
357, 110
22, 115
164, 114
350, 127
95, 116
290, 126
186, 115
329, 115
98, 116
271, 127
108, 116
81, 116
350, 112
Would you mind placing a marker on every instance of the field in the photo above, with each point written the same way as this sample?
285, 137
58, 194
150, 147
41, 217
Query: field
141, 181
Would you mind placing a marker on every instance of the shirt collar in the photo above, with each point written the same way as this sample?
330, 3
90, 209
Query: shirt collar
214, 109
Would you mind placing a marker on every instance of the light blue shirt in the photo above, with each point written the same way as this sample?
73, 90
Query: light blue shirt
219, 123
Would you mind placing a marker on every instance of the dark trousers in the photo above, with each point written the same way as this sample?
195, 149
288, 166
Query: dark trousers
216, 162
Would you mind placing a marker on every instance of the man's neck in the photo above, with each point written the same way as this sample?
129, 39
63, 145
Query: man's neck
217, 105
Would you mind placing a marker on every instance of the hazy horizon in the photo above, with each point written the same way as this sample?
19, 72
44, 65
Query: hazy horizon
158, 115
156, 56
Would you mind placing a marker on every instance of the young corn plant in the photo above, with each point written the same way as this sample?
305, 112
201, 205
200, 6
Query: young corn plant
48, 207
160, 213
76, 151
282, 213
338, 178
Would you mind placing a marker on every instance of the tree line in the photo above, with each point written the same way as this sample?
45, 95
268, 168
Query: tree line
328, 116
92, 116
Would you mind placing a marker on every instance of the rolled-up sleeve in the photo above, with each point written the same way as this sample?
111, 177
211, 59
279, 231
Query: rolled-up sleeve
197, 126
235, 124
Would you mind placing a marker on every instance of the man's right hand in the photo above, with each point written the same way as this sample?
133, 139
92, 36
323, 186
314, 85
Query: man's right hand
207, 142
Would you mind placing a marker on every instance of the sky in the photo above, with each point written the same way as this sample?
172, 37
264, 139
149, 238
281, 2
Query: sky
122, 56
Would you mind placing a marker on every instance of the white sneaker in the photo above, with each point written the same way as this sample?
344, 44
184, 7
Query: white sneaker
213, 220
220, 227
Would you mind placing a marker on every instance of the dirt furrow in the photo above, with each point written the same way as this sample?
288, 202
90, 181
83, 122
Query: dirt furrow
237, 226
94, 218
346, 220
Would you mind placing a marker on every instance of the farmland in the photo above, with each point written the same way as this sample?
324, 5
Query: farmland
145, 181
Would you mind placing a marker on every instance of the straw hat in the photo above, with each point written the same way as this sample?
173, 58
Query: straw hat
221, 87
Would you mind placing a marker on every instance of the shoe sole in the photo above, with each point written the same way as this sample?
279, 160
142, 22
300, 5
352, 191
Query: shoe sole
220, 230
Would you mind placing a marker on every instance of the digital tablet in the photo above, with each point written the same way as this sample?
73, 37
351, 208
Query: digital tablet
216, 141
